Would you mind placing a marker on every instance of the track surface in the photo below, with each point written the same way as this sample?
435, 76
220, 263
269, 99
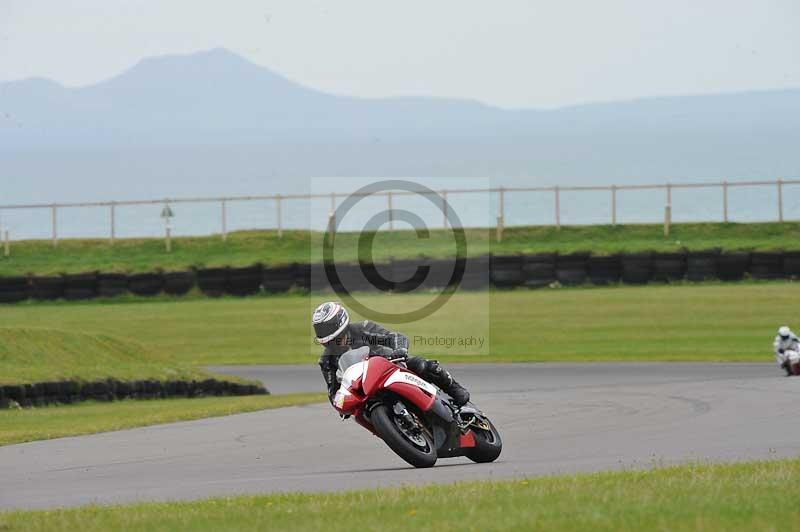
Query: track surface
553, 419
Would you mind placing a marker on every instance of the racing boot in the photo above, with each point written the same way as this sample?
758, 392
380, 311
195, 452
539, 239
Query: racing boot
787, 366
441, 378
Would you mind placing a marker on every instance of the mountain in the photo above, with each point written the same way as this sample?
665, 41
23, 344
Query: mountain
215, 109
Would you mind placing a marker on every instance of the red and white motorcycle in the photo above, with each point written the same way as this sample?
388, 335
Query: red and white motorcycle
417, 420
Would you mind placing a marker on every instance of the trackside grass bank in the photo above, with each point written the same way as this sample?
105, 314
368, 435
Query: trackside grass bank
34, 354
244, 248
650, 323
748, 496
42, 423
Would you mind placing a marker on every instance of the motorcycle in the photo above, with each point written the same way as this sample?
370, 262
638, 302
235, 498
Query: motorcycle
416, 419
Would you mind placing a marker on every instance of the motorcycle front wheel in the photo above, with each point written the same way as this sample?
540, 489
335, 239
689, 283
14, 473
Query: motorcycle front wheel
409, 442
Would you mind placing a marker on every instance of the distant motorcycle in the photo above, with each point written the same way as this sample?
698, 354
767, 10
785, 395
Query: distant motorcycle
417, 420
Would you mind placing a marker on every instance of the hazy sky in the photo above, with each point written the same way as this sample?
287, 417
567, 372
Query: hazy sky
509, 53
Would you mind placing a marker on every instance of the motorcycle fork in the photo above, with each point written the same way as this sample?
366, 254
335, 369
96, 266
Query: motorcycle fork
402, 410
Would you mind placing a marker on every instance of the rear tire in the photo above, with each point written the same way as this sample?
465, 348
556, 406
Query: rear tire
383, 420
488, 445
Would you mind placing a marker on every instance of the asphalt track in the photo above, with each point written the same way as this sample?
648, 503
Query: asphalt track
554, 418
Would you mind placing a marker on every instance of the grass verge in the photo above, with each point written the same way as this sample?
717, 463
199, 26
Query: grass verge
747, 496
248, 247
18, 426
708, 322
30, 354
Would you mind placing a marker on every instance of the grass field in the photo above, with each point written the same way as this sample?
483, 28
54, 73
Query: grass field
709, 322
749, 496
248, 247
17, 426
31, 354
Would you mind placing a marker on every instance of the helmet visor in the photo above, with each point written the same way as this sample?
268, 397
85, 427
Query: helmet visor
329, 329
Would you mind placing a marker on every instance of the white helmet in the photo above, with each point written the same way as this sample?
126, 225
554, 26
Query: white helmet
784, 332
330, 319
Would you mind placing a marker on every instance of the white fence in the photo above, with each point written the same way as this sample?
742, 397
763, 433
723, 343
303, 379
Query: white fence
277, 205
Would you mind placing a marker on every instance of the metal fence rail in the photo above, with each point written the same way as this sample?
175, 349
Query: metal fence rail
501, 192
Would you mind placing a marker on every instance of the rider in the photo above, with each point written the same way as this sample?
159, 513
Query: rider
335, 332
787, 349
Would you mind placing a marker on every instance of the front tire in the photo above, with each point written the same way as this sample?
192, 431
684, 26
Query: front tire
488, 444
419, 452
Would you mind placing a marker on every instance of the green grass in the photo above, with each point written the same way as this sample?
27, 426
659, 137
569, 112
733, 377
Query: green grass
748, 496
29, 424
31, 354
708, 322
248, 247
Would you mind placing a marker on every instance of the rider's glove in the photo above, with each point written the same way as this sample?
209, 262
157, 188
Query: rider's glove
780, 350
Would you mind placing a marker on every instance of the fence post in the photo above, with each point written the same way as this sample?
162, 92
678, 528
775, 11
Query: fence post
224, 215
669, 194
391, 212
667, 219
280, 220
613, 204
332, 215
501, 219
725, 201
780, 200
6, 245
54, 220
444, 208
113, 222
558, 207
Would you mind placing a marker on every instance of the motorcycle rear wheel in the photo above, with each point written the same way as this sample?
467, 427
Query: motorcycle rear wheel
382, 419
488, 444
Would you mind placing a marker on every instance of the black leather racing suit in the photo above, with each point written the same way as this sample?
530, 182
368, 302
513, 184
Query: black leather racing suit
383, 342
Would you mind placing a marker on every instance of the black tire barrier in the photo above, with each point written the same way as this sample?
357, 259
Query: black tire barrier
47, 288
146, 284
766, 265
605, 270
572, 269
439, 273
245, 281
213, 282
669, 267
80, 286
302, 276
278, 279
637, 268
702, 265
476, 272
539, 270
733, 266
791, 264
112, 284
405, 275
14, 289
178, 283
350, 278
318, 279
67, 392
506, 271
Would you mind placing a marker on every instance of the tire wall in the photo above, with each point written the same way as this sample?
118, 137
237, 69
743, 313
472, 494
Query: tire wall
501, 271
539, 270
572, 269
67, 392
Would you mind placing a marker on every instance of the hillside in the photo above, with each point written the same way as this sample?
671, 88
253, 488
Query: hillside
249, 247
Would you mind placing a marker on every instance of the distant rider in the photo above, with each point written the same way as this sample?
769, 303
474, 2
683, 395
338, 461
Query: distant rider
787, 349
335, 332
